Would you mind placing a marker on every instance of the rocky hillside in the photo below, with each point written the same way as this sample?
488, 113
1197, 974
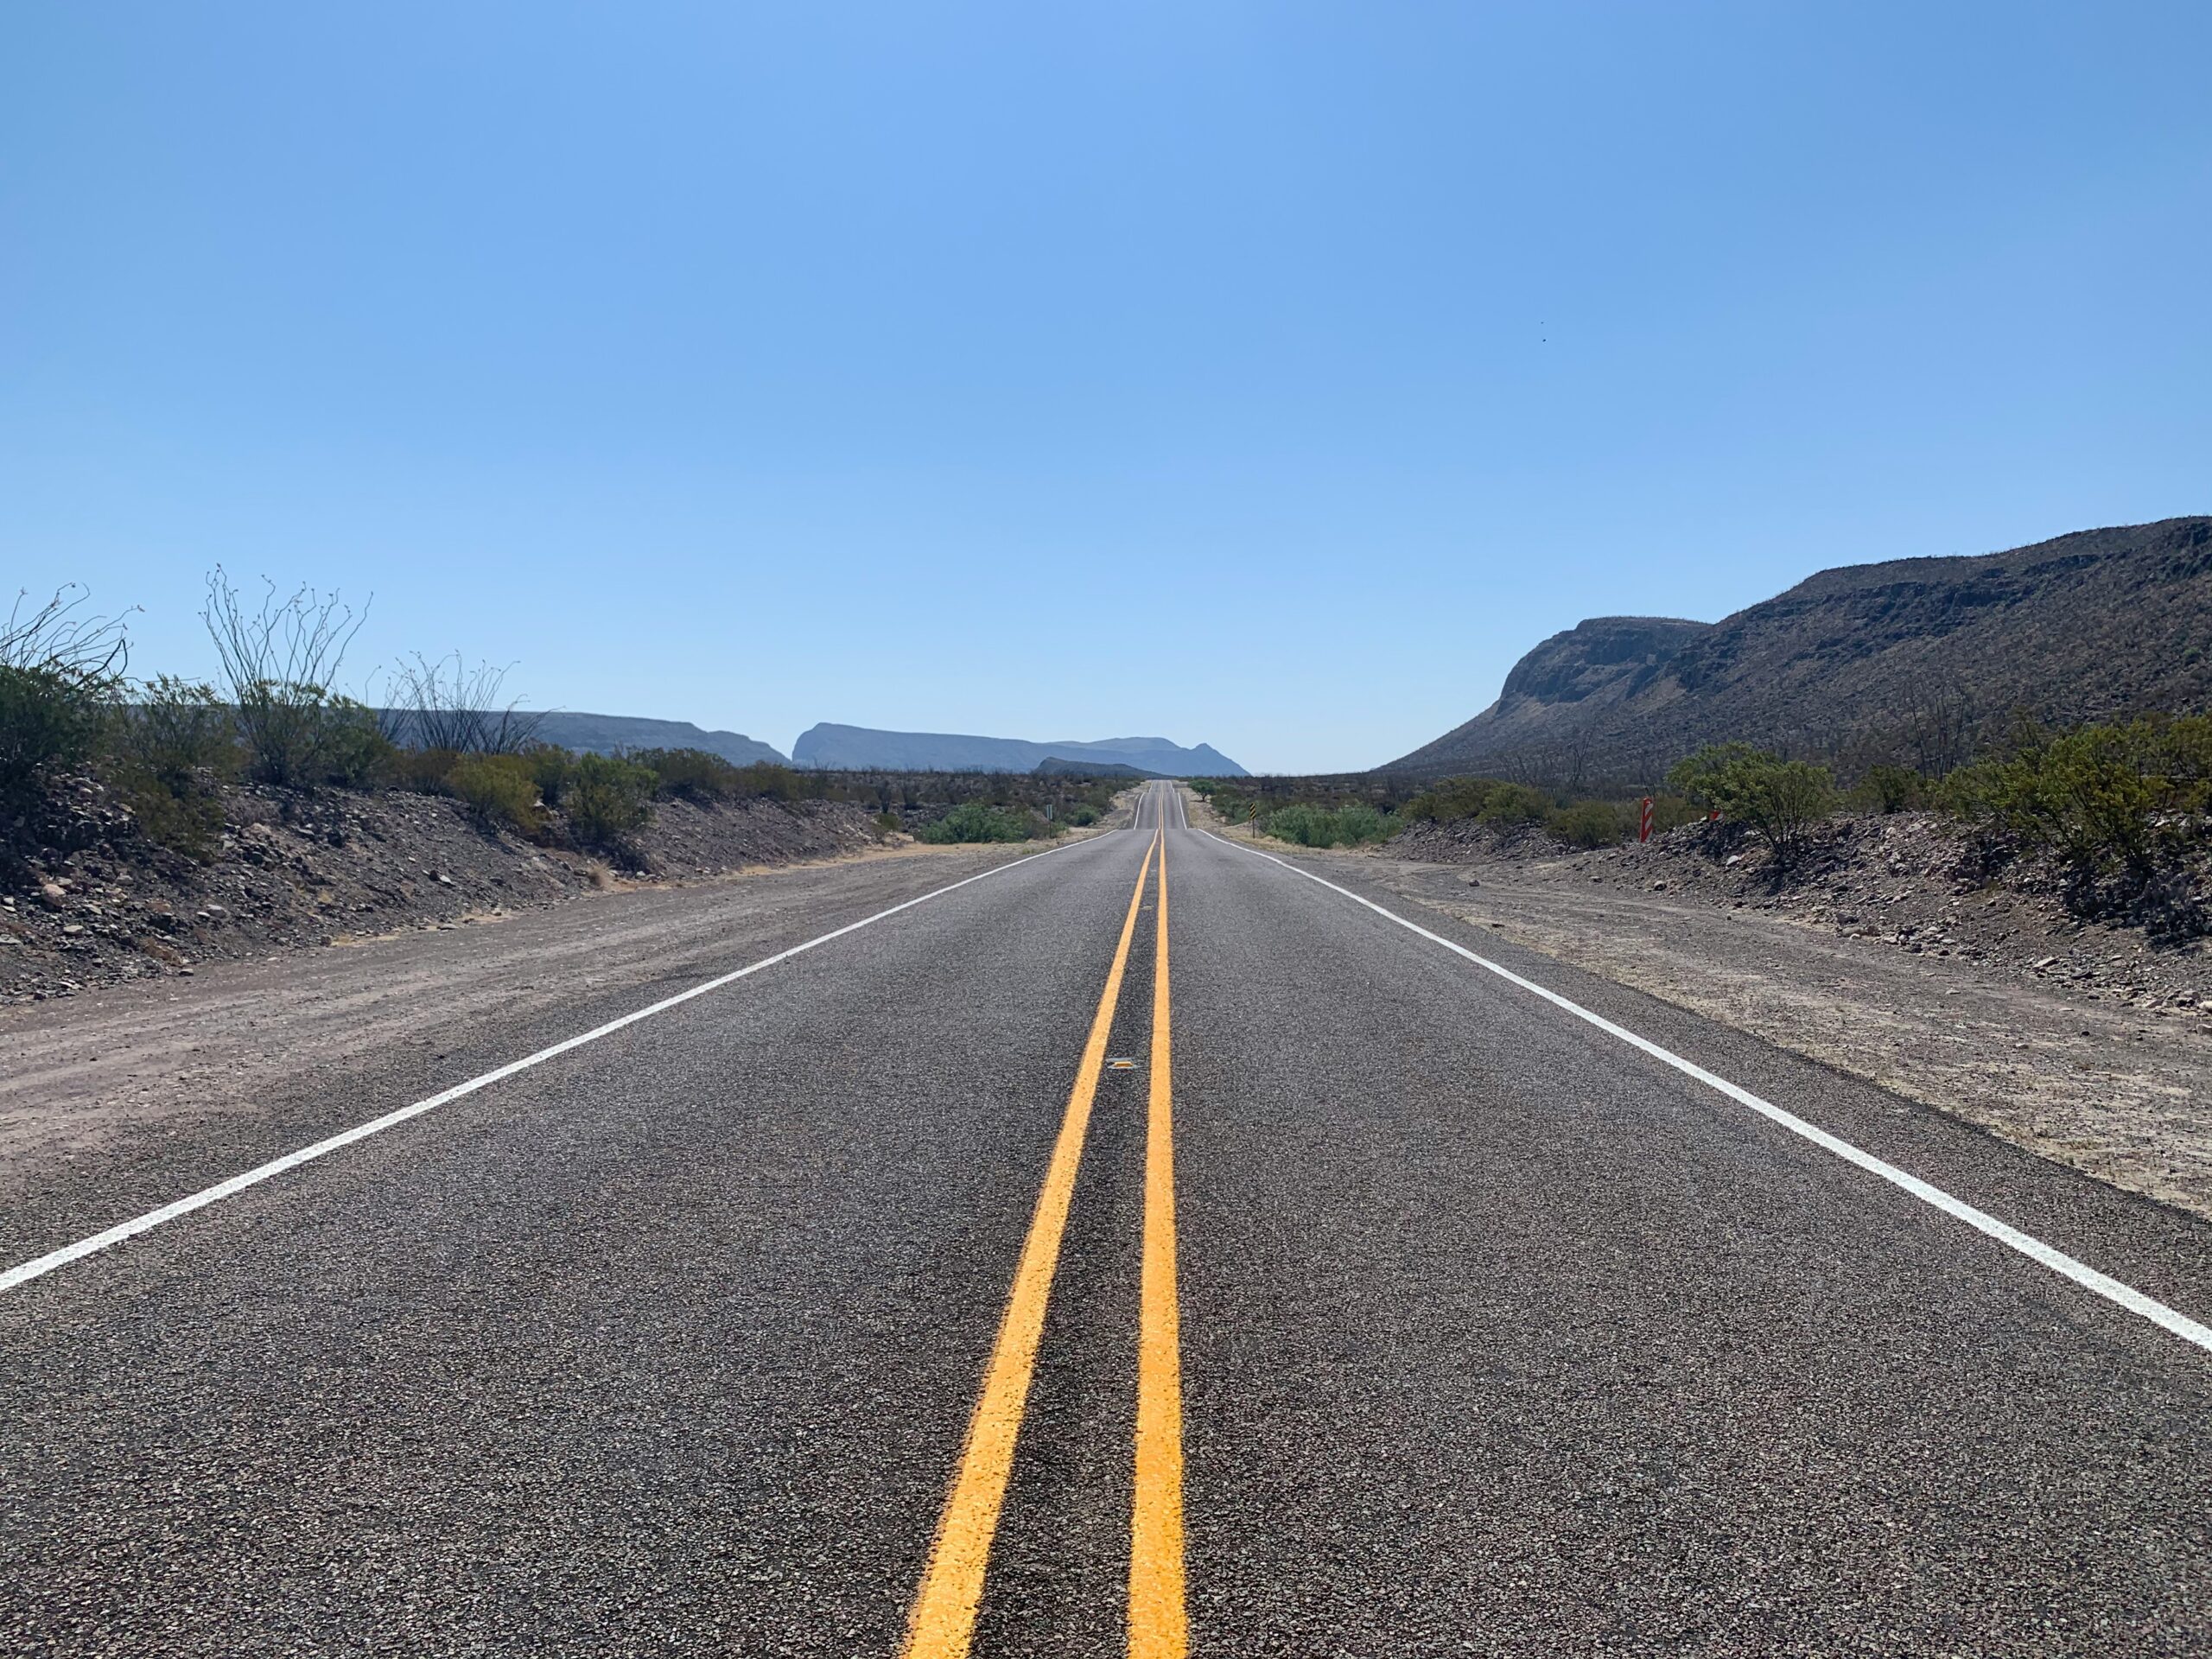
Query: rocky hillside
858, 748
292, 870
1917, 660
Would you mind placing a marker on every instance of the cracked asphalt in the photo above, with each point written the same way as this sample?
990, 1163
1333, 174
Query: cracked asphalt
1498, 1336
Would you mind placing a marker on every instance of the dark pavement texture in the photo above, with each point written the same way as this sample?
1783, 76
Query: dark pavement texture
1498, 1336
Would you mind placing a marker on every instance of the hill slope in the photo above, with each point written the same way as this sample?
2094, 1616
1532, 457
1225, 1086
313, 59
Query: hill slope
604, 733
1915, 658
859, 748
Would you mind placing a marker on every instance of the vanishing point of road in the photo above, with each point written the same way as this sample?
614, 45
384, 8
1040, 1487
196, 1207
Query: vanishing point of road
1145, 1247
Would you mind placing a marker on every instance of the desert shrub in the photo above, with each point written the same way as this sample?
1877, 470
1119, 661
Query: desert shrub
1510, 806
2121, 807
975, 820
1591, 823
447, 705
765, 780
60, 672
550, 765
1779, 801
50, 722
499, 789
606, 799
2090, 796
699, 775
1889, 789
351, 749
887, 823
1307, 825
1081, 814
182, 732
1452, 799
691, 774
425, 771
173, 752
280, 668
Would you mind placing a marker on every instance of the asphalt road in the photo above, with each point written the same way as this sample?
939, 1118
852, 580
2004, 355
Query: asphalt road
1378, 1306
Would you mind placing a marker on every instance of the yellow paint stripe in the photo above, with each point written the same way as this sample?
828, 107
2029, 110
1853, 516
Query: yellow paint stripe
1158, 1622
943, 1617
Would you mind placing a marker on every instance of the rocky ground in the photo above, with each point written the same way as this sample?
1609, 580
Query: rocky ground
293, 870
1889, 955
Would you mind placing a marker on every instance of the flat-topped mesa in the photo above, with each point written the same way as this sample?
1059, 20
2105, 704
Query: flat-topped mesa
861, 748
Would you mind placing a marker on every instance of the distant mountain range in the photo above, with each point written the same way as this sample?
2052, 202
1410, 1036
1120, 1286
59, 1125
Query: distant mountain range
1920, 660
858, 748
605, 734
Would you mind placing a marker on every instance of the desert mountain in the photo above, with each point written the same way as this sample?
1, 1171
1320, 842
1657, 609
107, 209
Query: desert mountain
605, 734
1916, 659
860, 749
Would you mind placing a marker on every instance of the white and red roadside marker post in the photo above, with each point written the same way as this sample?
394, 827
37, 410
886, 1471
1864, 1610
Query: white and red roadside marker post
1644, 822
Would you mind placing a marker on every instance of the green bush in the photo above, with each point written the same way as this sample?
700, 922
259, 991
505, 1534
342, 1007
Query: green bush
1510, 806
973, 821
1350, 824
1779, 801
691, 774
1591, 823
52, 720
1451, 800
425, 771
350, 751
1081, 815
60, 672
1888, 789
2096, 797
887, 823
550, 767
765, 780
499, 789
174, 751
606, 799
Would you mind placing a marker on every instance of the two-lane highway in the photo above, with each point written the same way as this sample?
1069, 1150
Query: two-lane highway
1142, 1247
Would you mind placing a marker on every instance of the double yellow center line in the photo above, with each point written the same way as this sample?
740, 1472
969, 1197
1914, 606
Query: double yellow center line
942, 1621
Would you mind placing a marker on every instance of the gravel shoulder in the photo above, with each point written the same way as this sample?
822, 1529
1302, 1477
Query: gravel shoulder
2113, 1091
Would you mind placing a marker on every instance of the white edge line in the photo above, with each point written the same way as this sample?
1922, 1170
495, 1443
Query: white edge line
26, 1271
2034, 1249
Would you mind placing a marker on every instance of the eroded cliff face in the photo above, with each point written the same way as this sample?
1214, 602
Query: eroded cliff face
1605, 656
1913, 659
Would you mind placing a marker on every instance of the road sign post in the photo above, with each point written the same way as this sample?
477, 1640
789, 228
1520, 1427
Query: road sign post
1643, 821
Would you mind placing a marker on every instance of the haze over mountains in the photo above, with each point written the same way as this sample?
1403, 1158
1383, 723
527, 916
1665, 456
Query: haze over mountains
860, 748
1916, 659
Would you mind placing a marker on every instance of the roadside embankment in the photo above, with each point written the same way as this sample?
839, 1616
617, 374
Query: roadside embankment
295, 869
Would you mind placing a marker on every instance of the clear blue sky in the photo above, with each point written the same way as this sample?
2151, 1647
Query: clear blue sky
1268, 374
